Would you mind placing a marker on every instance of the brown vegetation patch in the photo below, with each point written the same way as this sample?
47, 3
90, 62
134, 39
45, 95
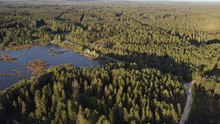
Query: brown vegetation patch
6, 58
37, 67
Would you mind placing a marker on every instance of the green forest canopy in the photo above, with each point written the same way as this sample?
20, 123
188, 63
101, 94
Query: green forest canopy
161, 46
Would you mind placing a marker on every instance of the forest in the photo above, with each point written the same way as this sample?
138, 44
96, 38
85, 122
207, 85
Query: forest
160, 47
116, 93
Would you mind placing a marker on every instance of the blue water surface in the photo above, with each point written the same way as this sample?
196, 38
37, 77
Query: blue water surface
24, 56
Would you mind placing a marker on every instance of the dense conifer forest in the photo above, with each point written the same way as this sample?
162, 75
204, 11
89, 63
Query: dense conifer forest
160, 47
115, 93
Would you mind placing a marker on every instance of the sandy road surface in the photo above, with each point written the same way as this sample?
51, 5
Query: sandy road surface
188, 88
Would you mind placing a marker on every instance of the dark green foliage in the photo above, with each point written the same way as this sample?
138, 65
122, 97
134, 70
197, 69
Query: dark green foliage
159, 45
206, 98
101, 94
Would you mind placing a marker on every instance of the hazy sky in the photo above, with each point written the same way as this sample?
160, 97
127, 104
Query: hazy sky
176, 0
180, 0
171, 0
132, 0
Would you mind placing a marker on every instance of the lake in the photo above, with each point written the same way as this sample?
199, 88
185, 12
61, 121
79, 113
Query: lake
52, 54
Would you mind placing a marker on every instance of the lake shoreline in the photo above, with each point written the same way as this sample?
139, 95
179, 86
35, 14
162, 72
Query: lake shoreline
23, 46
53, 55
18, 47
81, 52
101, 60
78, 49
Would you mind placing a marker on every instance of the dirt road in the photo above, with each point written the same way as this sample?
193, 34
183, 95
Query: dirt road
188, 88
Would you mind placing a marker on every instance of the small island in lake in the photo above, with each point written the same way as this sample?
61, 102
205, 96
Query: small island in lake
7, 58
54, 52
37, 67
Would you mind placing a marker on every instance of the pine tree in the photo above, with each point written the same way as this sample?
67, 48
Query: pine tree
23, 108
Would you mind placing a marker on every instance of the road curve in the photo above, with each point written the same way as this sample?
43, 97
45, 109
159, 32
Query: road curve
188, 88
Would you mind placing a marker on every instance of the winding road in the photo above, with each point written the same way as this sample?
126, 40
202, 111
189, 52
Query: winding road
188, 88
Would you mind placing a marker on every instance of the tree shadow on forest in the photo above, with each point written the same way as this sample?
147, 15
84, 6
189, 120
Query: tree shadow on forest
209, 42
165, 64
214, 72
61, 14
